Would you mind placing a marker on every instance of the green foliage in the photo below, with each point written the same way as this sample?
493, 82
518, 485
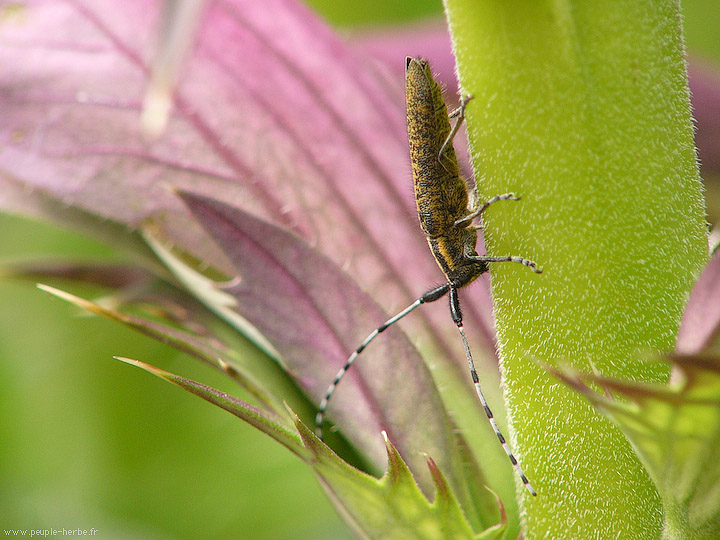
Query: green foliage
583, 109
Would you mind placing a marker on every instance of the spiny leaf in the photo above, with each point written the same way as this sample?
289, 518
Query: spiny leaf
267, 422
398, 484
390, 507
393, 506
450, 512
209, 351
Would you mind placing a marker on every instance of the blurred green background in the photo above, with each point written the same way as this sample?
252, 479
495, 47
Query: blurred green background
90, 442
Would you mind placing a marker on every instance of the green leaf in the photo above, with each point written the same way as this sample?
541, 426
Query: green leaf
675, 431
582, 108
390, 507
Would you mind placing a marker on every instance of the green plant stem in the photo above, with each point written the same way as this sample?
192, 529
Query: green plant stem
582, 108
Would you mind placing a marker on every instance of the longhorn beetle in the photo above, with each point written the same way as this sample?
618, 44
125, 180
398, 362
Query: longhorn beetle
446, 218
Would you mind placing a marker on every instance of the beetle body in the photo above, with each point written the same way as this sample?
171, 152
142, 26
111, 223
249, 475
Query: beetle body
441, 192
446, 217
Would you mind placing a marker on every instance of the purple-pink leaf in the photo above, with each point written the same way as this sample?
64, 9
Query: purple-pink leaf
701, 320
113, 276
273, 114
314, 314
705, 87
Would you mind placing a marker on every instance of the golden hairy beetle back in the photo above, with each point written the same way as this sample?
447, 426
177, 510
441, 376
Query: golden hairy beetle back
441, 193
